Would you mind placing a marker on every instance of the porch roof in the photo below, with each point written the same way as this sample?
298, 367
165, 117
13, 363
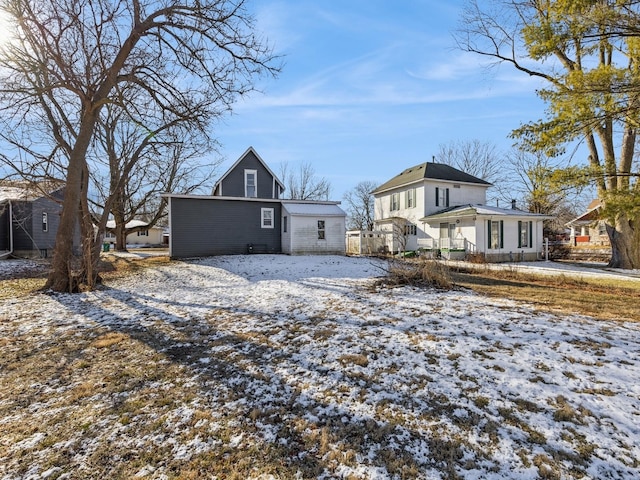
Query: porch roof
484, 211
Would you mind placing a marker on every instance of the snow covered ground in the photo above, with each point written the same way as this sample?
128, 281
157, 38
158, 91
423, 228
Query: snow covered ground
300, 366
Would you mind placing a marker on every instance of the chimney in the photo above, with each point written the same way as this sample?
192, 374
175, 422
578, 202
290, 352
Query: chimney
513, 205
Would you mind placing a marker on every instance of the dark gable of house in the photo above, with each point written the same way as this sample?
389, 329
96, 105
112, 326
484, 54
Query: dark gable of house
225, 226
233, 183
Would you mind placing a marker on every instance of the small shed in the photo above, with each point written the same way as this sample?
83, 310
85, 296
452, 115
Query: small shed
313, 228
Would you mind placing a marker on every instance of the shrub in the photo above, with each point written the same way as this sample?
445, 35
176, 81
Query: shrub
422, 272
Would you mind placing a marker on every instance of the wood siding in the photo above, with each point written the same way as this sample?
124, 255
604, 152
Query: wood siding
304, 236
203, 227
233, 184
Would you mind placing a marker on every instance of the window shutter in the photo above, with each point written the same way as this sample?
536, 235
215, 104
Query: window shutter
519, 234
447, 194
489, 233
501, 234
530, 234
437, 195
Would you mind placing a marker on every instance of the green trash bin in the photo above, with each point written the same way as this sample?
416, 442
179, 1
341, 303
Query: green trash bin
106, 246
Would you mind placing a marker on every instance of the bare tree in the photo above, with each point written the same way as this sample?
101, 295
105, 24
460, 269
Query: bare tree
141, 164
360, 206
70, 58
480, 159
303, 184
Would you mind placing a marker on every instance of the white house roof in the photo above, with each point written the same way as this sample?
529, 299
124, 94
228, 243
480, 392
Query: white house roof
10, 190
317, 209
131, 224
484, 211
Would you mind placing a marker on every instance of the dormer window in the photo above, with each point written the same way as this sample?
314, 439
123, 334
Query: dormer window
250, 183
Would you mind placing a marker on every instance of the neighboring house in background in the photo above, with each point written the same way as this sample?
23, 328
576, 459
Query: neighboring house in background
437, 208
148, 236
29, 218
588, 228
246, 214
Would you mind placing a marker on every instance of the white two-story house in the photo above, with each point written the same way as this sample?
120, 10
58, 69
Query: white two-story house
435, 207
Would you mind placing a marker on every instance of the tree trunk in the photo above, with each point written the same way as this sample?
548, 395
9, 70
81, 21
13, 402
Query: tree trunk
625, 243
121, 237
66, 274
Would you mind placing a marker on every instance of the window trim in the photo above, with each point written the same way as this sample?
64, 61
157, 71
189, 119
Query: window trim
247, 173
264, 217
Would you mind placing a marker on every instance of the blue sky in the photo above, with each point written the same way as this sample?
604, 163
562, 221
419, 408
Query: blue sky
371, 87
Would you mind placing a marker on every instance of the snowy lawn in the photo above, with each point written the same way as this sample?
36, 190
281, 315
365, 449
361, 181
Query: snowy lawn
278, 367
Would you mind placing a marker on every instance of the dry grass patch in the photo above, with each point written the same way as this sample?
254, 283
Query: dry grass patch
604, 299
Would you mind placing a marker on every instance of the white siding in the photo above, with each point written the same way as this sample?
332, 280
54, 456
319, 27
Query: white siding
303, 238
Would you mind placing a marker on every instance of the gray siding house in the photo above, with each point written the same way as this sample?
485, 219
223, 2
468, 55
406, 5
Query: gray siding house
29, 218
246, 214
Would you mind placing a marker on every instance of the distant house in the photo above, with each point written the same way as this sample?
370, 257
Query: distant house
144, 236
437, 208
29, 218
589, 228
246, 214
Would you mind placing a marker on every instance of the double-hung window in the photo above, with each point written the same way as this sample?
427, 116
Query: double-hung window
45, 222
442, 197
250, 183
321, 230
395, 202
267, 217
411, 198
525, 234
495, 234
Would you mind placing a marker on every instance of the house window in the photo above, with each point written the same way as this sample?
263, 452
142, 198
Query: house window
442, 197
321, 230
395, 201
525, 234
284, 224
495, 234
143, 233
45, 222
267, 217
250, 182
411, 198
410, 229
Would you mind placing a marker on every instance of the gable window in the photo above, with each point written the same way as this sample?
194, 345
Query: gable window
250, 183
411, 198
321, 230
395, 201
525, 234
495, 234
267, 217
45, 222
442, 197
